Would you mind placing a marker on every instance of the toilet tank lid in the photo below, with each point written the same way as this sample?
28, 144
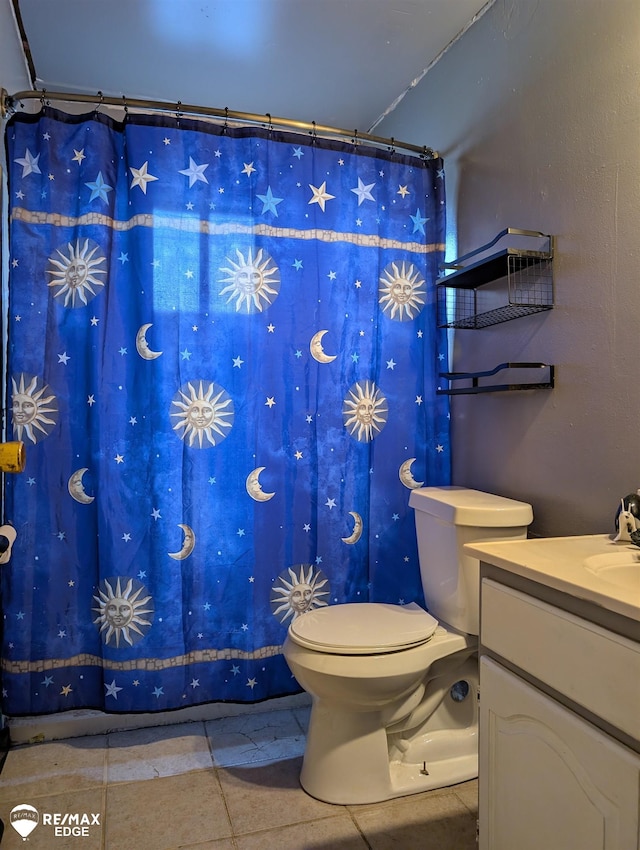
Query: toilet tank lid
359, 628
462, 506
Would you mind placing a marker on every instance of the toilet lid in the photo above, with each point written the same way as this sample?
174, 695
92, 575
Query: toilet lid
363, 628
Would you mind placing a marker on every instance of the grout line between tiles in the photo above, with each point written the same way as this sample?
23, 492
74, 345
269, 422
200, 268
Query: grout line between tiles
225, 804
472, 810
359, 829
103, 830
303, 822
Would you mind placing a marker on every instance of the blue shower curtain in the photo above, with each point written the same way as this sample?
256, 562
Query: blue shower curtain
222, 360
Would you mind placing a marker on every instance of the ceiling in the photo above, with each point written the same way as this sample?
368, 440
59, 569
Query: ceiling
339, 63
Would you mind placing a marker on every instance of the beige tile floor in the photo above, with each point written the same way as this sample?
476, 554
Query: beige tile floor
227, 784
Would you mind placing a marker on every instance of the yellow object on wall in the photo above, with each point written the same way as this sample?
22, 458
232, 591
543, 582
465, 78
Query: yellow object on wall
13, 456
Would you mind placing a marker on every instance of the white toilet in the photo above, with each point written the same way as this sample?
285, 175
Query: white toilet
395, 689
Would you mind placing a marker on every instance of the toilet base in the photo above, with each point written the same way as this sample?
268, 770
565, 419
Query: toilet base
347, 760
444, 759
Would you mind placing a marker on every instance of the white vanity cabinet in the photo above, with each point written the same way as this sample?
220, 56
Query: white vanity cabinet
559, 765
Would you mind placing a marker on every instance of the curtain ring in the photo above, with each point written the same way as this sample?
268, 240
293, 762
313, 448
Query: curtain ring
126, 108
314, 134
355, 141
393, 145
178, 112
427, 154
99, 104
270, 127
225, 126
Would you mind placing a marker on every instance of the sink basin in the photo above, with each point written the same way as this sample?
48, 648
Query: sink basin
620, 568
590, 567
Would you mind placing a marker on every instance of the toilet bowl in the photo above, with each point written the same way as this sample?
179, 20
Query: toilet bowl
395, 688
367, 740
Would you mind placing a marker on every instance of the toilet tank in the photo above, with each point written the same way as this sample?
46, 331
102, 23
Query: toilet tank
447, 518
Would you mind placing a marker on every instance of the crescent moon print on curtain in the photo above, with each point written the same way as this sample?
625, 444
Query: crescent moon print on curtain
223, 360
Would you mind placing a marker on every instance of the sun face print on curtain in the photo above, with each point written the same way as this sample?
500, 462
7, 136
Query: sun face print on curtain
222, 360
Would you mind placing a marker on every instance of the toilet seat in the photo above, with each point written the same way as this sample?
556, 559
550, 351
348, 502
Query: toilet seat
363, 628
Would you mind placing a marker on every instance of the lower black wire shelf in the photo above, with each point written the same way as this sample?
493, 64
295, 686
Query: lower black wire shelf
476, 387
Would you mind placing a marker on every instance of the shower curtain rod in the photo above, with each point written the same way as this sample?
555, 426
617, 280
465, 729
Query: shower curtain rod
8, 105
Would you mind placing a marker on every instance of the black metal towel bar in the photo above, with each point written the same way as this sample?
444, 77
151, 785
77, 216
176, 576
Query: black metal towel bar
475, 377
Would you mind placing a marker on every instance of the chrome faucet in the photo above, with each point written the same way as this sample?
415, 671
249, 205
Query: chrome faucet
628, 520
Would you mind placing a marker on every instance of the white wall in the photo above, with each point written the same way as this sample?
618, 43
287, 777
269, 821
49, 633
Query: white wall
536, 111
13, 69
14, 77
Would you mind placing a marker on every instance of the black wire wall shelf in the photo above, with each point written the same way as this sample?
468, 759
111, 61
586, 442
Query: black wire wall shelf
522, 278
547, 382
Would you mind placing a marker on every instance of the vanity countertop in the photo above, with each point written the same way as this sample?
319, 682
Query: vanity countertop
590, 567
